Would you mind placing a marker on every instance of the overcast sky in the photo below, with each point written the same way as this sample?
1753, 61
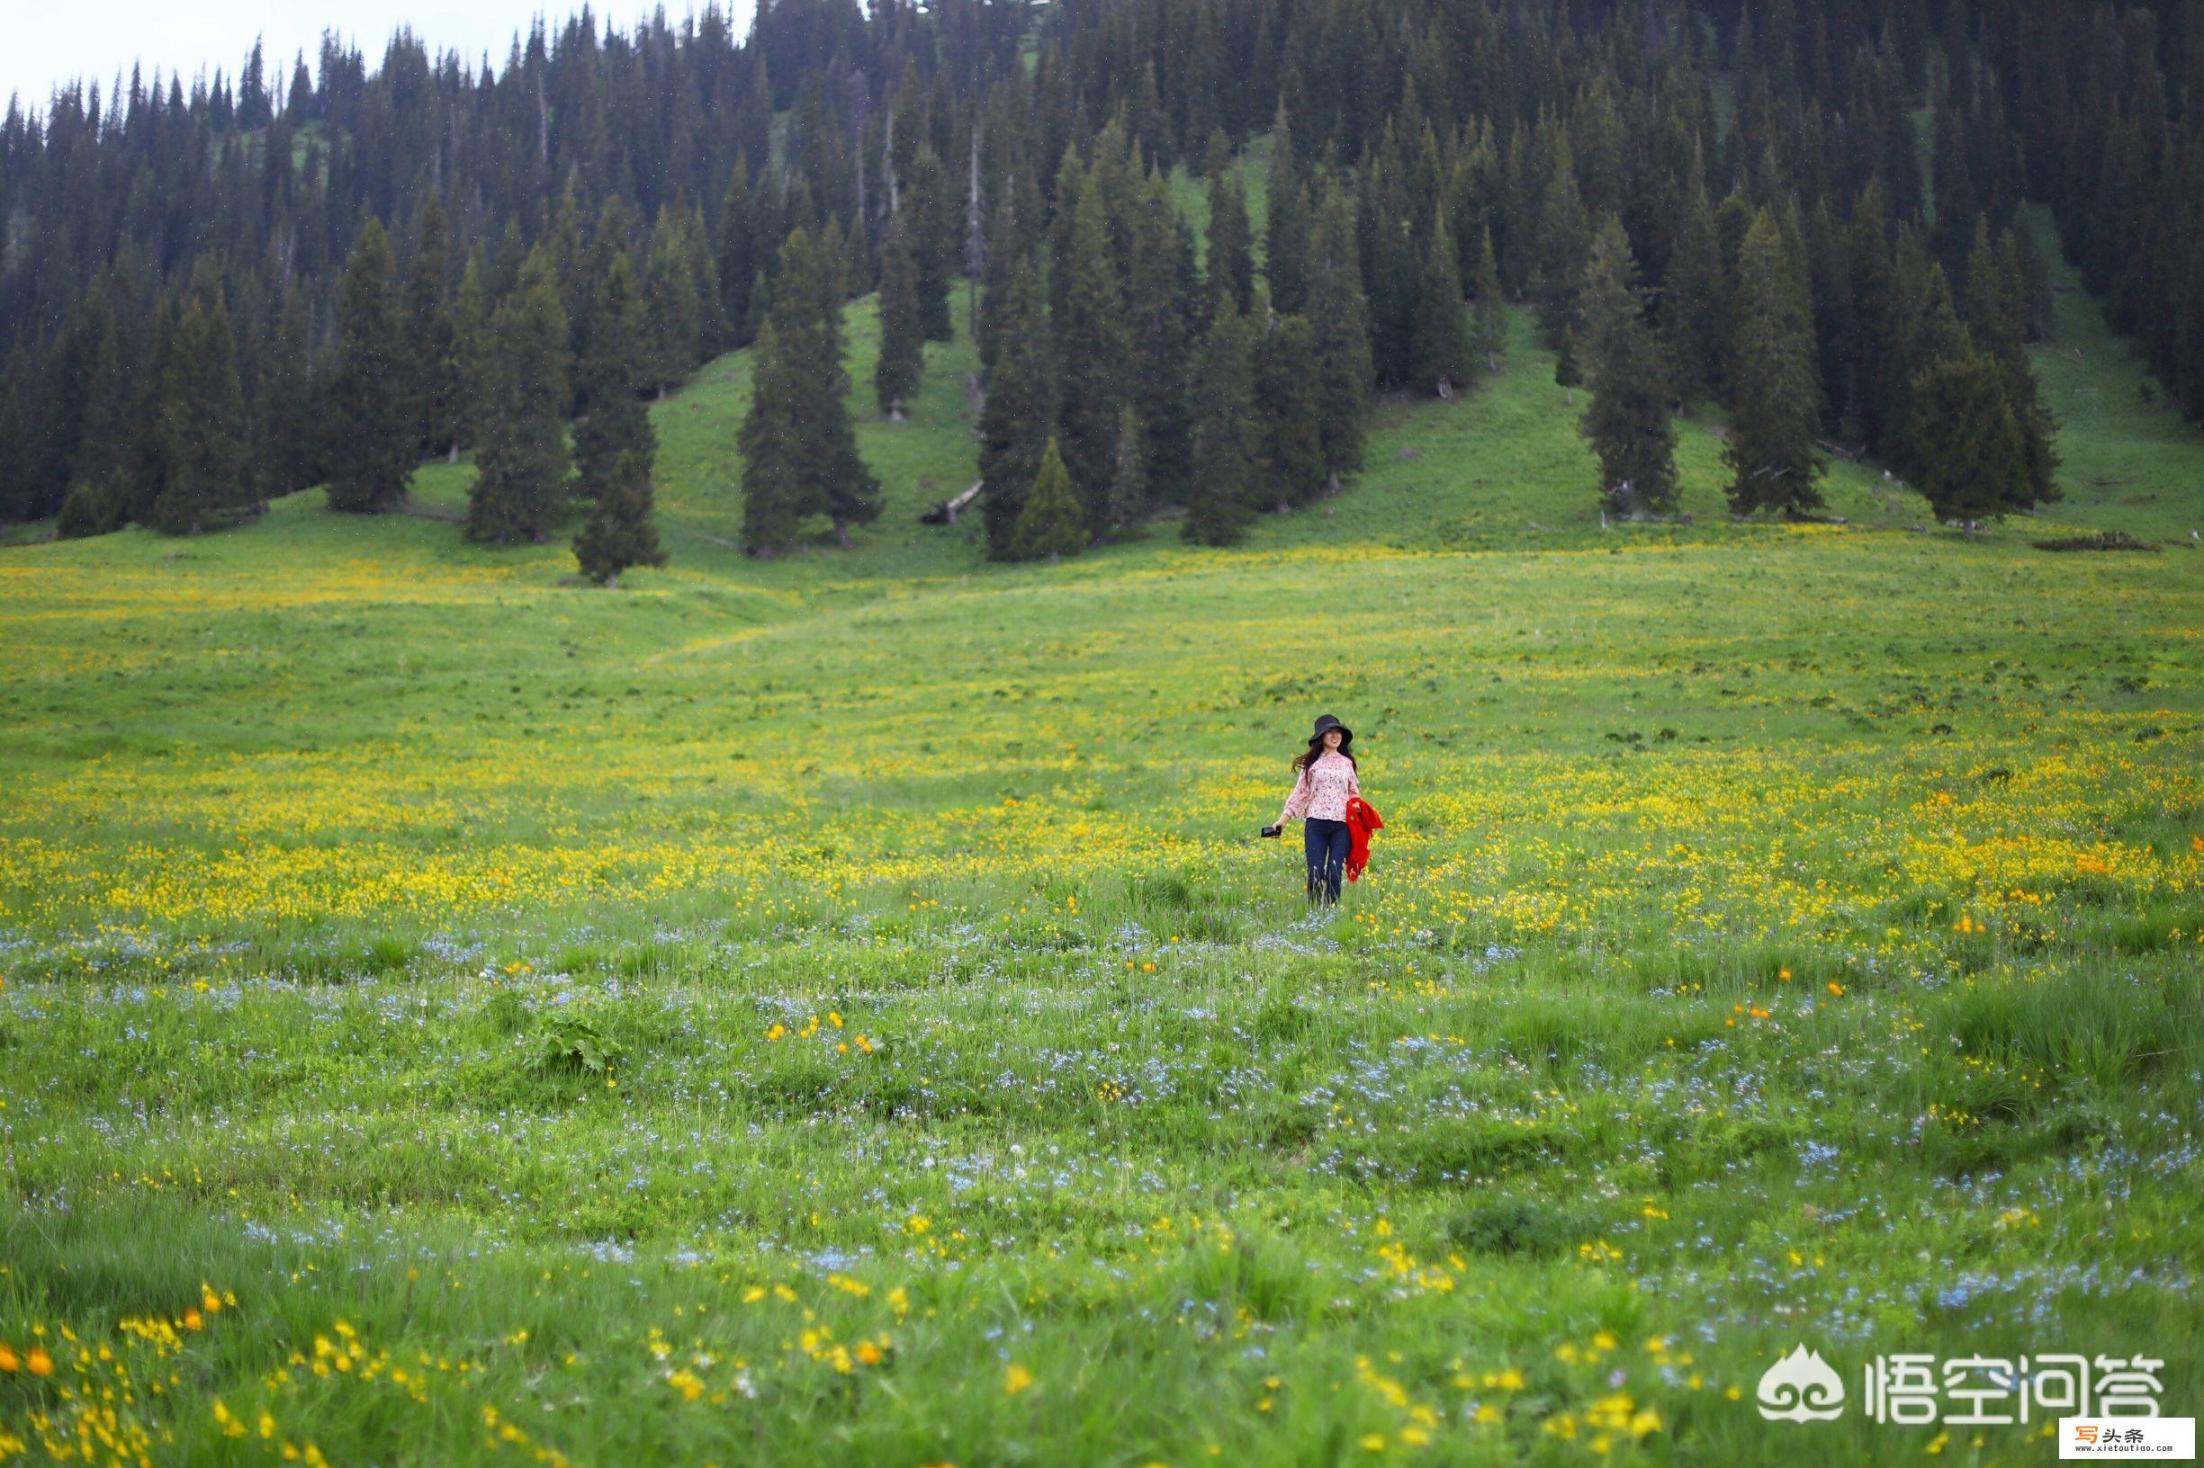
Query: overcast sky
51, 41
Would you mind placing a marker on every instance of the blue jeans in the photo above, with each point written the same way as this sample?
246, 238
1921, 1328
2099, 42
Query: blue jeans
1327, 843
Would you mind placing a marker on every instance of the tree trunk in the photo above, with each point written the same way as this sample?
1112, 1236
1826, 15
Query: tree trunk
841, 535
612, 582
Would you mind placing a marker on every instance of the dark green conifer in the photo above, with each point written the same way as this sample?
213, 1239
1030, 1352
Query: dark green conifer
1627, 421
1129, 476
1219, 495
737, 262
1092, 351
610, 379
715, 330
619, 533
1489, 333
1051, 523
471, 350
1694, 302
1568, 372
1438, 344
373, 432
1289, 439
1018, 420
1162, 295
670, 302
930, 204
1564, 247
200, 413
1341, 319
1771, 450
1997, 313
520, 486
1231, 243
799, 449
432, 370
1286, 231
287, 436
117, 463
896, 375
1974, 467
773, 507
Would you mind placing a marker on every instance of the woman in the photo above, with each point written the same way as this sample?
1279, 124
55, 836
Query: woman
1325, 780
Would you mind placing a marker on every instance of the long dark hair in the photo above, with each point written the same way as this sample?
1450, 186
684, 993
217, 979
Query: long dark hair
1308, 756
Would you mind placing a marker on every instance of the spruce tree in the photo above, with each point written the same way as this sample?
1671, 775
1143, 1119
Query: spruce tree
1627, 421
619, 533
1129, 476
670, 303
1289, 439
1925, 330
896, 375
521, 468
1997, 313
1162, 304
1018, 420
1286, 247
1231, 244
773, 505
798, 440
372, 429
609, 379
1489, 334
1286, 230
200, 417
1092, 351
1219, 496
431, 368
1771, 450
737, 261
1564, 246
116, 464
930, 202
715, 330
1051, 523
1694, 303
1568, 372
471, 352
1975, 465
286, 436
1341, 318
1438, 344
1391, 264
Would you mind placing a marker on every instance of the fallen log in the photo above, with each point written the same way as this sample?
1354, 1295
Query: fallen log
945, 513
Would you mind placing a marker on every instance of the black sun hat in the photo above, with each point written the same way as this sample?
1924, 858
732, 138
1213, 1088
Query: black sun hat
1325, 723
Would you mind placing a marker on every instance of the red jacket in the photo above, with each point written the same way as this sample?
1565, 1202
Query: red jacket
1362, 819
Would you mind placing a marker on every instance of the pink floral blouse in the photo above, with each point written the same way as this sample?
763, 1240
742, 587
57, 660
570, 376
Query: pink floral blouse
1322, 792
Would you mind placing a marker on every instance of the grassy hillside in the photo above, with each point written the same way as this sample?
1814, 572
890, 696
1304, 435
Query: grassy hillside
837, 1010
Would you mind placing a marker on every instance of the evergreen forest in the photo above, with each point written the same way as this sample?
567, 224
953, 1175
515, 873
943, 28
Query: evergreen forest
1807, 216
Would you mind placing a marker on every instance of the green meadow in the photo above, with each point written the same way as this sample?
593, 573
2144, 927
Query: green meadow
838, 1010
